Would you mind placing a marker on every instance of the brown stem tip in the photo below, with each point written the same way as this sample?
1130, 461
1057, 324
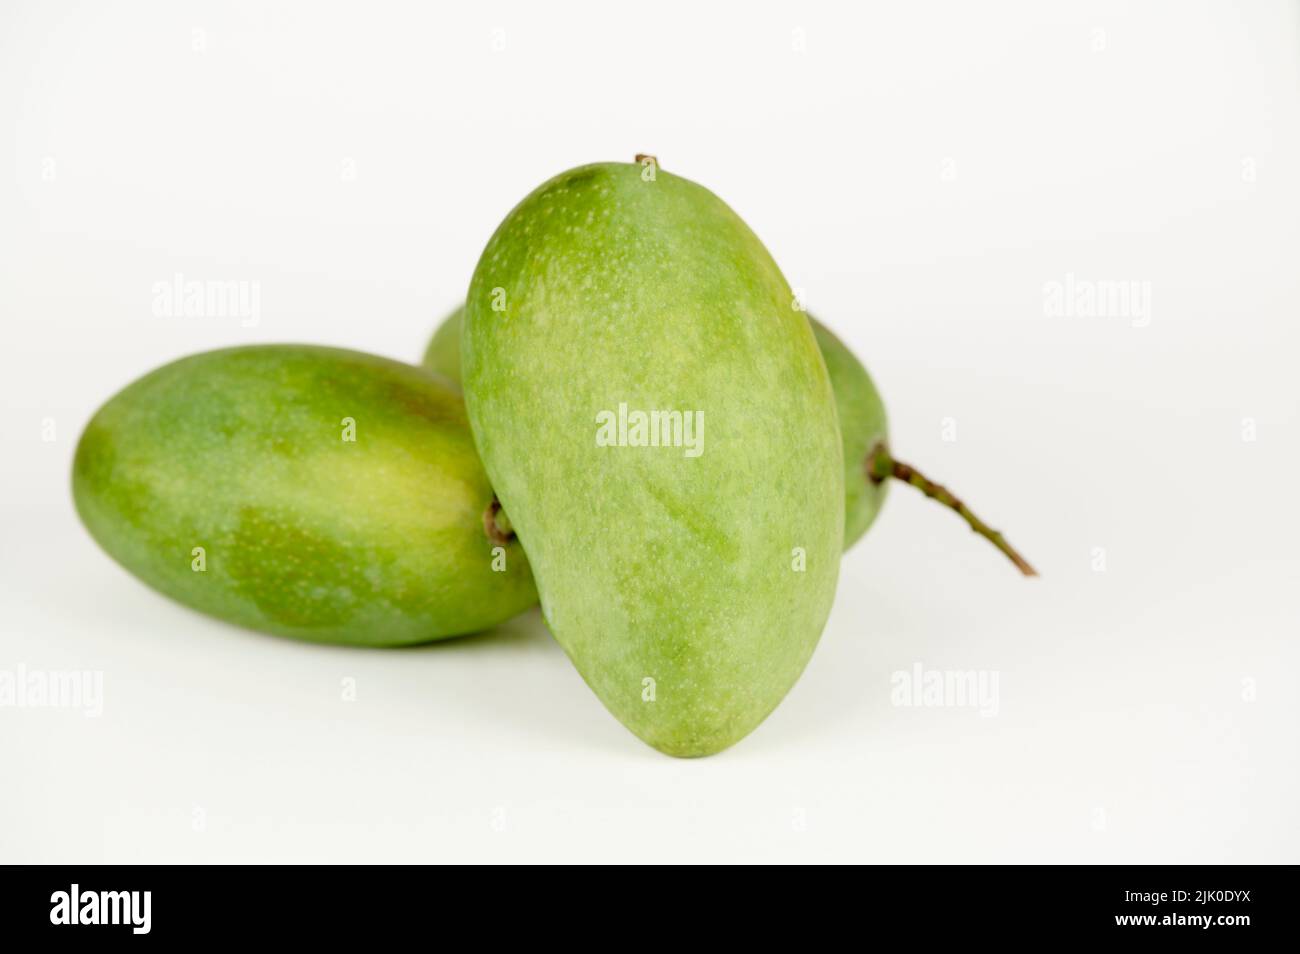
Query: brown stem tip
880, 466
496, 525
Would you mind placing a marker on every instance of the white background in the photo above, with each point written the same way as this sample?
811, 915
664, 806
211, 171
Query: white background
922, 171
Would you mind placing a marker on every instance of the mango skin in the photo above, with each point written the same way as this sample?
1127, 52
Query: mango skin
689, 592
861, 413
376, 542
442, 356
863, 426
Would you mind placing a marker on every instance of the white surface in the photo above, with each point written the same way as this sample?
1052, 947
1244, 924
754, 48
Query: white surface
921, 171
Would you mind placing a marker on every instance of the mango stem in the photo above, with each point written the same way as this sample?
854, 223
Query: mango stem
881, 465
496, 524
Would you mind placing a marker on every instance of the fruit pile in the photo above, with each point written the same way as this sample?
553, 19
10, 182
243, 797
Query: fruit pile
631, 420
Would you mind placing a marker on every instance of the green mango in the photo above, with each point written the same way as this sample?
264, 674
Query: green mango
858, 403
863, 430
442, 356
688, 582
309, 492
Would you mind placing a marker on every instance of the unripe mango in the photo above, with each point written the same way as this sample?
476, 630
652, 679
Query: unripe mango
442, 356
310, 492
863, 429
658, 422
